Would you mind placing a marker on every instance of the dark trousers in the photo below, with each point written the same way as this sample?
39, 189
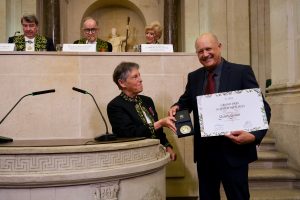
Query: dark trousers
211, 172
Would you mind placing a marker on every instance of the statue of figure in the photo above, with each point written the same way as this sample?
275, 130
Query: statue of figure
116, 41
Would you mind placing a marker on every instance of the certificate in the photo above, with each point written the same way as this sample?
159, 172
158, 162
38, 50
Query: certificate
221, 113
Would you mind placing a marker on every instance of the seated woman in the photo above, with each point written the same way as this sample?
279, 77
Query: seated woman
153, 33
134, 115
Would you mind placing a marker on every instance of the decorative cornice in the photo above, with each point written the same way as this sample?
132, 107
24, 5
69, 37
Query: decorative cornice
59, 169
60, 163
283, 89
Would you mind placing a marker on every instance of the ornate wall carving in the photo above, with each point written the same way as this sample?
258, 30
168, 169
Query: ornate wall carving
79, 161
106, 191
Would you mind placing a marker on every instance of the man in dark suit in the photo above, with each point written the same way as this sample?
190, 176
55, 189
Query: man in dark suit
31, 40
222, 158
90, 32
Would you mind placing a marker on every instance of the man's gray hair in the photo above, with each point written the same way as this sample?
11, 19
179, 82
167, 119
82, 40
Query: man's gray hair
30, 19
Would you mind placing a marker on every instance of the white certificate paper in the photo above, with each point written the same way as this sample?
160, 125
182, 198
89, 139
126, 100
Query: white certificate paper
221, 113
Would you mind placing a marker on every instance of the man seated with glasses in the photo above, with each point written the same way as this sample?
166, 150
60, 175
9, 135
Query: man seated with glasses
90, 36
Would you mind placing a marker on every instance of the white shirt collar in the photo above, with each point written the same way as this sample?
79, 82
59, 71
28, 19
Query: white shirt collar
29, 39
88, 42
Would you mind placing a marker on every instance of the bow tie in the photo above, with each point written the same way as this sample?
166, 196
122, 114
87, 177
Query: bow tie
29, 41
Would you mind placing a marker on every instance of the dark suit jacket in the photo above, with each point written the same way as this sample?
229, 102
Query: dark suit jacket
49, 45
233, 77
126, 122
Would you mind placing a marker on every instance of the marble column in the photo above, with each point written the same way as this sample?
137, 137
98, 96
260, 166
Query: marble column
170, 23
260, 34
51, 20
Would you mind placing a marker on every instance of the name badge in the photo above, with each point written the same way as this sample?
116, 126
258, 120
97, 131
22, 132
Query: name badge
158, 48
79, 47
7, 46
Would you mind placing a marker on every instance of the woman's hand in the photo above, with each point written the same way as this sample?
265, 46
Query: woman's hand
172, 153
168, 122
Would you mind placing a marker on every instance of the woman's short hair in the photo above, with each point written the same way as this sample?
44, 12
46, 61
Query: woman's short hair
156, 28
122, 71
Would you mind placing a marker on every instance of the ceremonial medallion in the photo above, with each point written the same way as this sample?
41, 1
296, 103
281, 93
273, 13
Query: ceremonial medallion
183, 123
185, 129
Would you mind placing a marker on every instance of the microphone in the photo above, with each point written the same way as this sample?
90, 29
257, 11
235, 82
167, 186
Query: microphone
6, 139
107, 136
42, 92
16, 33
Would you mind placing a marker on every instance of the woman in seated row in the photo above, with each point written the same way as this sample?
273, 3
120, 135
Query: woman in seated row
153, 33
31, 41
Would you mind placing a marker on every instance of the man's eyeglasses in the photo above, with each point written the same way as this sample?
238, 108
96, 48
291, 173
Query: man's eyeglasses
90, 30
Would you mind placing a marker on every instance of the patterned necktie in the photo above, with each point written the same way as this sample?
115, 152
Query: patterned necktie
210, 85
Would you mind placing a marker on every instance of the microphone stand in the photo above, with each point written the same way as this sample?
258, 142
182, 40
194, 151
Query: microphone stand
16, 33
107, 136
7, 139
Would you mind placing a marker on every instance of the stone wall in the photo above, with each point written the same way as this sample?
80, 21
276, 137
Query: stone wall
69, 114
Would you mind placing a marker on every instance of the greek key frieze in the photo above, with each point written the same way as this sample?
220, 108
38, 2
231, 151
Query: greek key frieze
77, 161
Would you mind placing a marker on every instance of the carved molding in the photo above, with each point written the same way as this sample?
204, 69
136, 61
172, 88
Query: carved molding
106, 191
56, 163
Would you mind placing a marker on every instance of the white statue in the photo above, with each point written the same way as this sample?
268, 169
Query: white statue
116, 41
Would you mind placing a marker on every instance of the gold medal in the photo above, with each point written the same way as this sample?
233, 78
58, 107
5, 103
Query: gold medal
29, 48
185, 129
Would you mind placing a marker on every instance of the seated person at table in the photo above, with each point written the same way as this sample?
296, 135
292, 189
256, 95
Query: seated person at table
134, 115
31, 40
90, 32
153, 33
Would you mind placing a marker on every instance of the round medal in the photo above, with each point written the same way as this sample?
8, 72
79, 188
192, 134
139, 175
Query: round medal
185, 129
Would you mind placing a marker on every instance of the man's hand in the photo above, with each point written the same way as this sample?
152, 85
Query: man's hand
240, 137
173, 110
172, 153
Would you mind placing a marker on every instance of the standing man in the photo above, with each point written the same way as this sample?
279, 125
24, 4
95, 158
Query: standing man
222, 158
90, 31
31, 40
